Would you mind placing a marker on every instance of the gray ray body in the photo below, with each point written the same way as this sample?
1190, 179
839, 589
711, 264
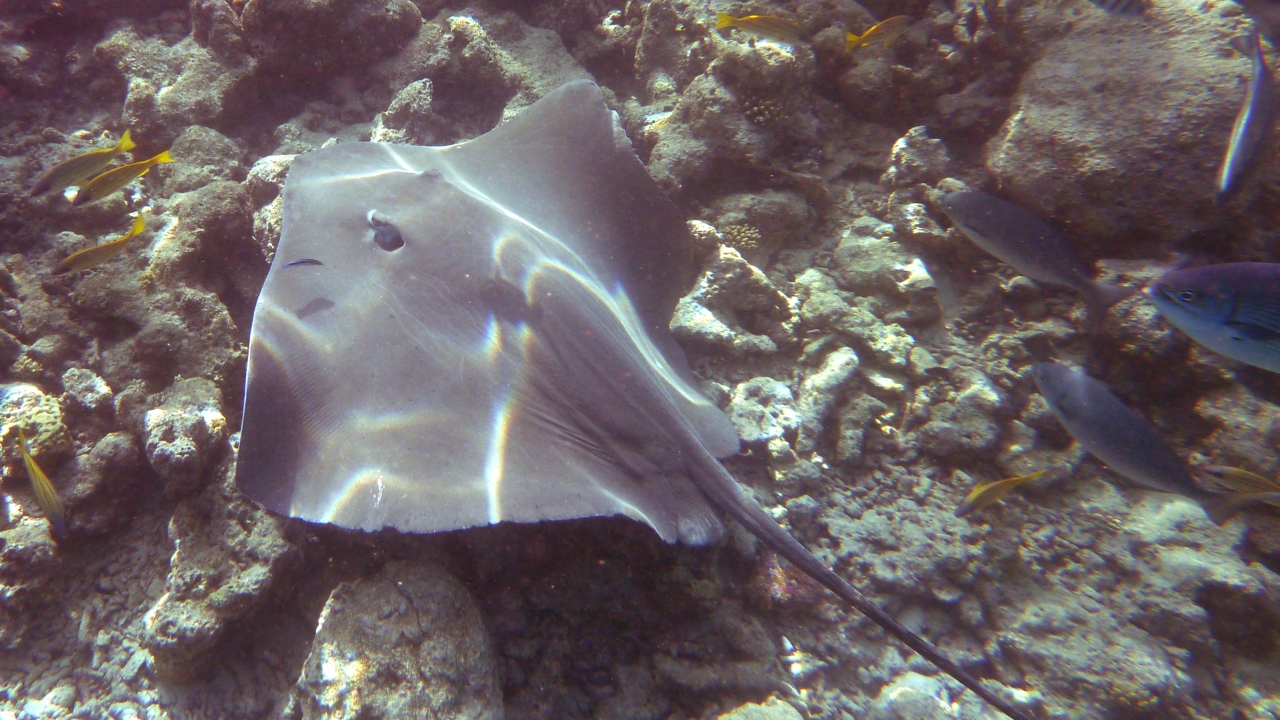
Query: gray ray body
1023, 240
459, 336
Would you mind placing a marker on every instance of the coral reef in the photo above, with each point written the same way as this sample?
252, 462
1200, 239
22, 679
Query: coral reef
410, 621
874, 361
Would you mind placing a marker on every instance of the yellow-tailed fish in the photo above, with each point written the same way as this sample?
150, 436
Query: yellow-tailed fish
767, 26
1243, 481
46, 495
885, 32
73, 171
98, 254
984, 494
112, 180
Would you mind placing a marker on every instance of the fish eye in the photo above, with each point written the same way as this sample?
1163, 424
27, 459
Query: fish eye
1189, 296
385, 233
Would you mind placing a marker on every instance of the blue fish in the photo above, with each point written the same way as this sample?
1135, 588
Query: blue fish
1123, 439
1254, 122
1232, 309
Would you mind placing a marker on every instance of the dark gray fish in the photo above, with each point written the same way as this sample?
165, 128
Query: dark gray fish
1254, 123
1124, 440
1232, 309
1121, 7
1030, 245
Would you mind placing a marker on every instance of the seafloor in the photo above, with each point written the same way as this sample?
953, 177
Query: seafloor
875, 362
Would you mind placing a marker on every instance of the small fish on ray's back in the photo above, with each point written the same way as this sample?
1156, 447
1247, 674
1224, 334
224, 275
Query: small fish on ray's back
1233, 309
112, 180
884, 32
99, 254
771, 27
81, 167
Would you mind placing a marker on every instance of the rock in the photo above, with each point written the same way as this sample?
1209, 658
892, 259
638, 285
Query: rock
29, 560
964, 425
859, 416
266, 178
169, 330
171, 87
228, 555
201, 156
40, 417
316, 38
44, 359
729, 295
409, 118
911, 697
710, 133
763, 411
666, 58
411, 621
758, 224
1124, 151
773, 709
103, 488
916, 158
87, 390
819, 392
696, 324
185, 434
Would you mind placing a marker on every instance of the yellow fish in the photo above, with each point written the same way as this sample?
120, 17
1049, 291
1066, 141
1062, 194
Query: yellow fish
984, 494
767, 26
1243, 481
75, 170
98, 254
112, 180
46, 495
883, 32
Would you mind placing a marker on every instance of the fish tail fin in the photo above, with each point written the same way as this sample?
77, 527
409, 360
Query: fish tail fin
139, 225
1102, 296
852, 41
1222, 506
126, 142
724, 20
163, 157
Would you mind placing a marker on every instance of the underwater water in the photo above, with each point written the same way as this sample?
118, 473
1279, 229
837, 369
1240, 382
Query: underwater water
817, 330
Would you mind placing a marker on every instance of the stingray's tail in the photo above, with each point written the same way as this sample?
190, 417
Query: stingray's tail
745, 510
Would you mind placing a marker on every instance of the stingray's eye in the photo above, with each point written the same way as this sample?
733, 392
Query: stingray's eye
385, 232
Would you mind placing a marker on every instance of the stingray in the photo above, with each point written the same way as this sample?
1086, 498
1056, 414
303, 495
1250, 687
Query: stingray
458, 336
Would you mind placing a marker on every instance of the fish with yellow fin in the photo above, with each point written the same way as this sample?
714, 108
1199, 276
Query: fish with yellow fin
885, 32
98, 254
771, 27
984, 494
1243, 481
46, 494
112, 180
77, 169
